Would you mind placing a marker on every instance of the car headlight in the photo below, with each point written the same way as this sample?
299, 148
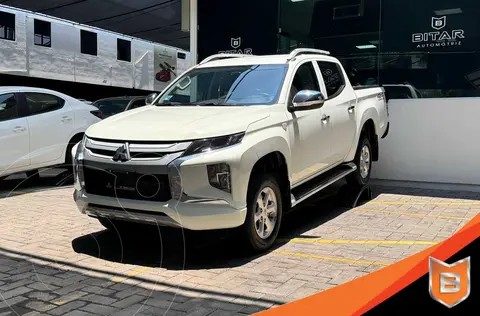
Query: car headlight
209, 144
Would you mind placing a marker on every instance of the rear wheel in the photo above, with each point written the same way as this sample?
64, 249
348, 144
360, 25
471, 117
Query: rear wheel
363, 161
264, 212
68, 155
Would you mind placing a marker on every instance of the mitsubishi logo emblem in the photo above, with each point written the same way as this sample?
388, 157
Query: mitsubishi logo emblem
122, 154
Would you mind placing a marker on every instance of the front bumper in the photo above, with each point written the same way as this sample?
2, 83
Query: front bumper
198, 214
197, 206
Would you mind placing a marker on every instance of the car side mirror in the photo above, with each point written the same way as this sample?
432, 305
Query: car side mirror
150, 98
307, 100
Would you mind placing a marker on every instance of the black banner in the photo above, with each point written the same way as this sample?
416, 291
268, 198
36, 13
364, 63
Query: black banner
248, 27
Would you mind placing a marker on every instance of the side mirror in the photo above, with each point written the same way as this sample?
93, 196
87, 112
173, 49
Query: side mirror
307, 100
150, 98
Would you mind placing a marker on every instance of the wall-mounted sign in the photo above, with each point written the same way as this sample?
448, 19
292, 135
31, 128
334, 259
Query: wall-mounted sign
165, 66
439, 36
235, 44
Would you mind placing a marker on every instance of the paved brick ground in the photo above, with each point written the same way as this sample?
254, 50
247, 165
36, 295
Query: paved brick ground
55, 261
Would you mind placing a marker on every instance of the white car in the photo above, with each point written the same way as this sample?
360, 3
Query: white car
38, 128
236, 141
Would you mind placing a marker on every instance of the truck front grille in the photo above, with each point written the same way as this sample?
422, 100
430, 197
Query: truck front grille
127, 185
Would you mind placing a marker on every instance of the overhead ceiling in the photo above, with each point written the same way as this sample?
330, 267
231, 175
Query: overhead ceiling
154, 20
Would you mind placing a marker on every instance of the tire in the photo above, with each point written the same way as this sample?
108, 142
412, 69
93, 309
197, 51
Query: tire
265, 185
68, 155
363, 161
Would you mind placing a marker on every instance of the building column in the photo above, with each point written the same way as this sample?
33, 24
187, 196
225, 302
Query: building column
194, 31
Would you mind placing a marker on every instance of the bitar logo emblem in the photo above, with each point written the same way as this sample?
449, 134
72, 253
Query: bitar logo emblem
449, 284
122, 154
439, 23
236, 42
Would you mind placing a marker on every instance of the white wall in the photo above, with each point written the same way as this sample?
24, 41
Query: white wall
432, 140
13, 59
57, 61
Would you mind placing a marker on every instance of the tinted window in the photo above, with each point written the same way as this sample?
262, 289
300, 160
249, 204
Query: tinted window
111, 107
436, 49
43, 32
41, 102
305, 79
7, 26
398, 92
88, 42
8, 107
236, 85
124, 50
332, 76
137, 103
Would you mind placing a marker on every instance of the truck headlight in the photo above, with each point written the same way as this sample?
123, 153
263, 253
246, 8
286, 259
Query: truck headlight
209, 144
79, 179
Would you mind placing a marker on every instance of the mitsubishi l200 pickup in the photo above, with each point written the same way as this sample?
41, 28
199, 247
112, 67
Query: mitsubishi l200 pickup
234, 142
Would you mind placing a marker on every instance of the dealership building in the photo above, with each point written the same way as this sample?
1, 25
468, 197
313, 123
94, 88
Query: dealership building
426, 52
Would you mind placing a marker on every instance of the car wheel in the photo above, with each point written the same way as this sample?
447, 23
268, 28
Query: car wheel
68, 155
264, 212
363, 161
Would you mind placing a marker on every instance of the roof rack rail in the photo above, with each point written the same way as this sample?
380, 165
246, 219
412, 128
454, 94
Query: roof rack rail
302, 51
223, 56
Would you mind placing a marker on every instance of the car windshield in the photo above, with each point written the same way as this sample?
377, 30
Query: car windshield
232, 85
111, 107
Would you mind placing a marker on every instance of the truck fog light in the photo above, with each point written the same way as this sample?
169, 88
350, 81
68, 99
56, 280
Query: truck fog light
219, 176
176, 189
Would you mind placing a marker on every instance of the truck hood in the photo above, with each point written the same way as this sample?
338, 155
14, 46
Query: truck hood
177, 123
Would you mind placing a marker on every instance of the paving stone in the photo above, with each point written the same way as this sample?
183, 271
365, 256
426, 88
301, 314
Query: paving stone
52, 272
100, 309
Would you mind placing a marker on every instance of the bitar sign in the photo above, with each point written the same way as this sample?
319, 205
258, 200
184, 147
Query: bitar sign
440, 36
236, 43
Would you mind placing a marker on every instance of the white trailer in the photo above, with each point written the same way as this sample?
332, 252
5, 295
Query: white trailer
41, 46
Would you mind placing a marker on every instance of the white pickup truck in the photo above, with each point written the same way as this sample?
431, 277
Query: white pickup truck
234, 142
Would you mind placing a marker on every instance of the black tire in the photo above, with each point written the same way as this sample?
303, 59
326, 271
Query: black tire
356, 178
68, 155
252, 239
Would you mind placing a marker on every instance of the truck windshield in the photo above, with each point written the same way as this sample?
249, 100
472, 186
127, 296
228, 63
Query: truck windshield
223, 86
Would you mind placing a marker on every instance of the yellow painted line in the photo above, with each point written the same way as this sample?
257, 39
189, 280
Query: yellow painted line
360, 242
130, 274
423, 203
412, 214
343, 260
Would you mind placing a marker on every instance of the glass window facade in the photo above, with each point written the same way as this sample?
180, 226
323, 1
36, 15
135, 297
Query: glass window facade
428, 49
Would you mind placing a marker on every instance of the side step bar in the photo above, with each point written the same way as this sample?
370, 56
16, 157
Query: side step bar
306, 190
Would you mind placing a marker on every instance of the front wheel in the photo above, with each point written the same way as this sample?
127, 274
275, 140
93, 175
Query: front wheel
264, 212
363, 161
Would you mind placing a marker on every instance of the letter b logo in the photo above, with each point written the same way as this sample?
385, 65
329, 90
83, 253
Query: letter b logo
449, 282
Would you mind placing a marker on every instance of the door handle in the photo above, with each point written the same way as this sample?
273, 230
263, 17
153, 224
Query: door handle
325, 118
18, 129
351, 108
66, 119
